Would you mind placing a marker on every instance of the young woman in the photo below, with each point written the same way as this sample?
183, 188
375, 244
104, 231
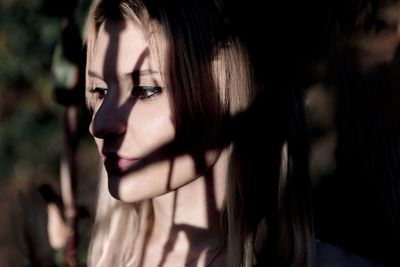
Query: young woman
175, 116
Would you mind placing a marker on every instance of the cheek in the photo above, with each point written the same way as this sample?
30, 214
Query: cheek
160, 177
155, 179
151, 129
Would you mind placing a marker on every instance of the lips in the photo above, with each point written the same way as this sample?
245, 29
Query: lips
118, 164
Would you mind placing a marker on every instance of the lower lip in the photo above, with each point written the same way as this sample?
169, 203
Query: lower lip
119, 165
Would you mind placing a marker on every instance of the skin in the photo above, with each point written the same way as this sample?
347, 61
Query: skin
186, 201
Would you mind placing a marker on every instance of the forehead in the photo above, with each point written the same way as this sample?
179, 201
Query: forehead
120, 47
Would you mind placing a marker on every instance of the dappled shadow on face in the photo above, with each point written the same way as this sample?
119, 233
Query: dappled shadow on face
242, 129
167, 152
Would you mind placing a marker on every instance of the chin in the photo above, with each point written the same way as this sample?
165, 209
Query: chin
127, 192
113, 186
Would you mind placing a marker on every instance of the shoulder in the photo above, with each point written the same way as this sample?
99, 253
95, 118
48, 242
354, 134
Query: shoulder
328, 255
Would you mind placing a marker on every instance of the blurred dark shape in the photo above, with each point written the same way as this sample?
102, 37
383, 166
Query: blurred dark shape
356, 204
59, 8
29, 130
73, 53
69, 90
24, 228
50, 196
305, 44
66, 97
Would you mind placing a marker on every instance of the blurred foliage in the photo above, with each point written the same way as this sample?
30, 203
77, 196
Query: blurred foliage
30, 139
27, 39
30, 121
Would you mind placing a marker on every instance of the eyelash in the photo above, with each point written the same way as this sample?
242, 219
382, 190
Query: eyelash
138, 92
99, 92
145, 92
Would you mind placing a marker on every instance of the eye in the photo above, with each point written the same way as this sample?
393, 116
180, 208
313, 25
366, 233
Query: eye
145, 92
99, 92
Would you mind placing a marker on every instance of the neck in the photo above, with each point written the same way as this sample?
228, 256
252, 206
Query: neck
188, 219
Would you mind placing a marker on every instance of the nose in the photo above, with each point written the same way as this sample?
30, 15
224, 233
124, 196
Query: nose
108, 120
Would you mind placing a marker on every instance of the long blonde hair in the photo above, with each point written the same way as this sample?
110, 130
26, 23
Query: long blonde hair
211, 74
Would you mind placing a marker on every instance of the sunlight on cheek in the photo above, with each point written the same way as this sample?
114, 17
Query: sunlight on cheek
156, 179
151, 130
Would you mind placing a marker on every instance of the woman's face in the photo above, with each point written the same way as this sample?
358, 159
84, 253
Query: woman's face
132, 120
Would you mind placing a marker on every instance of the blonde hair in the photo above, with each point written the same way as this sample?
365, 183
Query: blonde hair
116, 229
210, 72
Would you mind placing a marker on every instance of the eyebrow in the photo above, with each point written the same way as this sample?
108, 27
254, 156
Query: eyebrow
135, 73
